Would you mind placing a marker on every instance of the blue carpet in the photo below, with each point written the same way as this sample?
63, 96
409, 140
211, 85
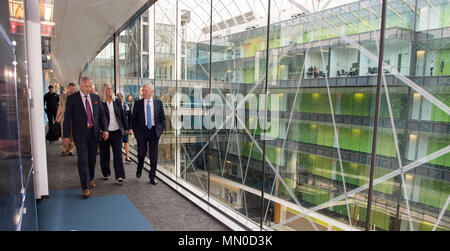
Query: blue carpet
68, 211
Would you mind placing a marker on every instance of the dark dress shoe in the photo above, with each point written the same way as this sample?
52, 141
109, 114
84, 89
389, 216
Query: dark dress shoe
139, 173
153, 181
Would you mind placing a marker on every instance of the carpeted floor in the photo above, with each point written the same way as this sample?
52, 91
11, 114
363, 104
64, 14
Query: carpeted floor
66, 211
162, 207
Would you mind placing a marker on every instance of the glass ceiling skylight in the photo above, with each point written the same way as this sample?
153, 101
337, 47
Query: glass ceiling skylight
237, 15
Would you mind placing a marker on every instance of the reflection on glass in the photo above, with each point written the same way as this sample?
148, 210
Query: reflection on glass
322, 60
16, 179
101, 69
17, 17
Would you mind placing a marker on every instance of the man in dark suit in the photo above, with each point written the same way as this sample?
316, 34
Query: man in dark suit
149, 122
85, 113
51, 102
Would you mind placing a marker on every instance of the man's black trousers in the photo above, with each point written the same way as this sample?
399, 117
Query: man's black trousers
148, 141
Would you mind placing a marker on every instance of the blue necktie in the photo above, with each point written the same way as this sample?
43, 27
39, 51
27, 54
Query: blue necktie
149, 116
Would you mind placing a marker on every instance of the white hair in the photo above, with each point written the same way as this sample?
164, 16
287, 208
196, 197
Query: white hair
152, 88
102, 92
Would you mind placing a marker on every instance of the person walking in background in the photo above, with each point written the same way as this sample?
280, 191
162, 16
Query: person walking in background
51, 100
85, 113
148, 121
117, 128
69, 149
127, 110
141, 93
316, 72
431, 67
130, 98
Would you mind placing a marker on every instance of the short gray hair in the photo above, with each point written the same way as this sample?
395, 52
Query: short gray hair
84, 79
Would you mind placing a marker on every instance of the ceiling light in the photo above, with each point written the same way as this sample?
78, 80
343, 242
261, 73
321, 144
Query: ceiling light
48, 13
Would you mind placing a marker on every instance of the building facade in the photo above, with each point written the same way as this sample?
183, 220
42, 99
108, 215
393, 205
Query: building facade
283, 137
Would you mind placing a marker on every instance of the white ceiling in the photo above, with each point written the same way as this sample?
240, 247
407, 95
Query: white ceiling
82, 27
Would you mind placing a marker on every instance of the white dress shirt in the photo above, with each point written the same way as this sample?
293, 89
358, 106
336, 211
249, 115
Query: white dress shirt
113, 125
152, 110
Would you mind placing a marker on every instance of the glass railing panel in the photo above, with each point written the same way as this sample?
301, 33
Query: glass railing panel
411, 192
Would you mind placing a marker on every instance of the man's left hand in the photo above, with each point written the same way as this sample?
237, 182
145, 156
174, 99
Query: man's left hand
105, 136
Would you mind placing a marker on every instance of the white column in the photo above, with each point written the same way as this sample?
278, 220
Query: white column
35, 82
338, 103
422, 147
258, 56
151, 41
427, 109
293, 170
178, 44
334, 164
283, 210
412, 147
416, 188
415, 111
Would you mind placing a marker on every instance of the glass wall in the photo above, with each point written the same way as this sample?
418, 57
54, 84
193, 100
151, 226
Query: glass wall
275, 117
414, 187
17, 200
101, 69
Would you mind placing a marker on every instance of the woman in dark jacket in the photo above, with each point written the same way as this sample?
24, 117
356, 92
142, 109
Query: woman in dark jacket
117, 128
127, 109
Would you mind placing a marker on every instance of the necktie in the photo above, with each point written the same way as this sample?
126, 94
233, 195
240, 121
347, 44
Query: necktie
89, 112
149, 116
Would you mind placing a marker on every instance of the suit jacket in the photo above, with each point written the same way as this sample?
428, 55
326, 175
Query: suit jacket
127, 110
119, 113
138, 118
52, 101
75, 115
